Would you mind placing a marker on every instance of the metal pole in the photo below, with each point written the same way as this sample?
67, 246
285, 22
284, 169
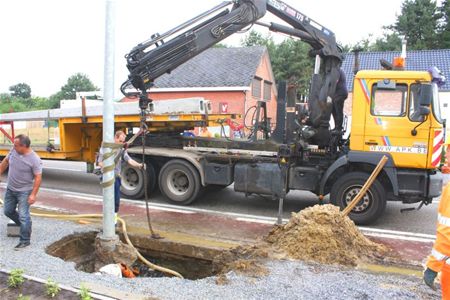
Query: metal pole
108, 120
280, 211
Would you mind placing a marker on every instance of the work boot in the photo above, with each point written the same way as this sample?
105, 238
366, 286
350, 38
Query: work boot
21, 245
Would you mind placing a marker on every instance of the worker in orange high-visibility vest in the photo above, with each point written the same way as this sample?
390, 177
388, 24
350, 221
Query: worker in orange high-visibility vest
439, 260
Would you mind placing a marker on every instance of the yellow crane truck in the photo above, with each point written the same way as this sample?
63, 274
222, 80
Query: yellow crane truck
394, 113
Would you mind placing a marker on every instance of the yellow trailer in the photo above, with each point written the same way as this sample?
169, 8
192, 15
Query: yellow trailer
79, 129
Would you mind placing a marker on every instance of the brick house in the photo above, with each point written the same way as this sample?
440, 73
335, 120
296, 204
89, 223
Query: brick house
417, 60
233, 79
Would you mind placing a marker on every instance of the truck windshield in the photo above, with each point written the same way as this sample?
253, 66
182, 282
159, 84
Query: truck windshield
436, 103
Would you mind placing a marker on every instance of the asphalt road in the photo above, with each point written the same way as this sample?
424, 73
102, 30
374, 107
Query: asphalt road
422, 221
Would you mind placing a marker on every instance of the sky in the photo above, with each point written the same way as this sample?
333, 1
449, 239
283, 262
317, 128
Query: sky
46, 41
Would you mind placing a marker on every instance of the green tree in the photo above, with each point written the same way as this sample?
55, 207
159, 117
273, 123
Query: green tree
255, 38
444, 26
21, 90
390, 41
292, 62
419, 23
76, 83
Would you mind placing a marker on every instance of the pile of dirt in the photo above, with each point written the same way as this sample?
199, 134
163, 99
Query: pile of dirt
322, 234
319, 234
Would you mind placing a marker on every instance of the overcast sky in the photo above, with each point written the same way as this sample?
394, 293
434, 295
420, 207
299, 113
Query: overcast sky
46, 41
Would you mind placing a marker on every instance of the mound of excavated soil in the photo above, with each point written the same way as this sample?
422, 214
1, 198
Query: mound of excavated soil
322, 234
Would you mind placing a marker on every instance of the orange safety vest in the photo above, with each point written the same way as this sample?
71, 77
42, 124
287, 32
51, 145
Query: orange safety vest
440, 255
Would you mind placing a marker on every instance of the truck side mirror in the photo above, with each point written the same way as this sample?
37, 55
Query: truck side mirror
424, 110
425, 94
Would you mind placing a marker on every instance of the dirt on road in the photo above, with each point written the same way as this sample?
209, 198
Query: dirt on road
319, 234
323, 234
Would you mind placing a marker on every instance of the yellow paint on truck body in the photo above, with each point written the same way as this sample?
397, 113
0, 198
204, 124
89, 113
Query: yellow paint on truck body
375, 130
80, 141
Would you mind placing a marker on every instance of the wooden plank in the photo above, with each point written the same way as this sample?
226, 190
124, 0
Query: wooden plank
366, 186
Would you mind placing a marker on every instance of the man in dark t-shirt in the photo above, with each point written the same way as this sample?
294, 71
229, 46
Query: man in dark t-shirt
340, 95
24, 179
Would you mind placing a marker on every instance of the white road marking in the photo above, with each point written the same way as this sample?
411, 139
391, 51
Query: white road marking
82, 197
270, 222
400, 237
405, 233
135, 203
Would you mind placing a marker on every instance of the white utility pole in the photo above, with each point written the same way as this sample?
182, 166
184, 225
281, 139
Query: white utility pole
108, 121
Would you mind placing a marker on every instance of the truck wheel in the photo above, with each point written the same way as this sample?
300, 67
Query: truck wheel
133, 180
179, 182
370, 207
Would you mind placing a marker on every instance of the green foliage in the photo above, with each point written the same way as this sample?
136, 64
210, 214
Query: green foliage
38, 103
363, 45
290, 59
421, 22
418, 22
16, 278
76, 83
21, 90
12, 107
10, 103
444, 25
22, 297
292, 62
51, 288
390, 41
20, 99
84, 293
255, 38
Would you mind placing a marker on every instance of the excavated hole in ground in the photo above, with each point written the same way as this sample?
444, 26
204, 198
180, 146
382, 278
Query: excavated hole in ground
79, 248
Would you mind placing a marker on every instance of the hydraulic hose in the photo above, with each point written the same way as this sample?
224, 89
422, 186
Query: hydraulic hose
125, 233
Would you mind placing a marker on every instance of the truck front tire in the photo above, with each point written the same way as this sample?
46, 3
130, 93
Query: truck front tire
179, 182
371, 206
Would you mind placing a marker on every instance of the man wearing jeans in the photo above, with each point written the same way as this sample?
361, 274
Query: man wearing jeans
24, 179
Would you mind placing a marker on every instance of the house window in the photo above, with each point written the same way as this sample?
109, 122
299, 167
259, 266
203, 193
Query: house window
389, 102
267, 90
256, 87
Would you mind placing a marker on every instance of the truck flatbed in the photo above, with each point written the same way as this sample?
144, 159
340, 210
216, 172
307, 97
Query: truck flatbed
80, 128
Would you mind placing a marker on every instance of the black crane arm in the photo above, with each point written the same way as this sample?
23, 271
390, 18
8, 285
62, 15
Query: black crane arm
310, 31
163, 53
153, 58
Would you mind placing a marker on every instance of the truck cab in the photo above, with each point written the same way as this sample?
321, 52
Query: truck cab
397, 113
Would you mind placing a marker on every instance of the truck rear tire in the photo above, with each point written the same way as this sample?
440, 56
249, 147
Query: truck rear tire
179, 182
133, 180
371, 206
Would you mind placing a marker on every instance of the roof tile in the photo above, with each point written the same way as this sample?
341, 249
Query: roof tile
226, 67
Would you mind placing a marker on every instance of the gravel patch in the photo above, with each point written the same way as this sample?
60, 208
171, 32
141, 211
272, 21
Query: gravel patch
287, 279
